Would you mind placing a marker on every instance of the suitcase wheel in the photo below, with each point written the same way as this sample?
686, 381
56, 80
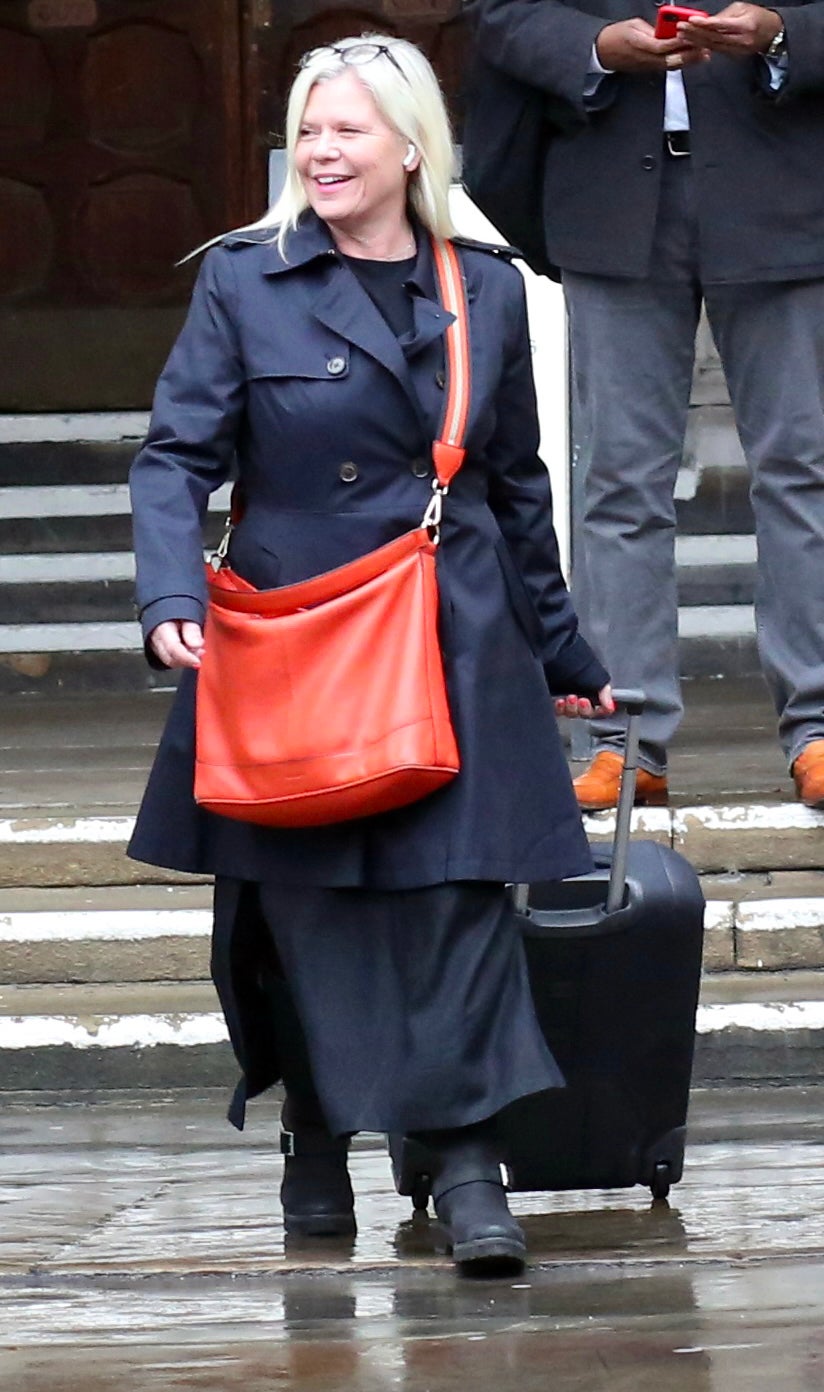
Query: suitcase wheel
660, 1183
420, 1193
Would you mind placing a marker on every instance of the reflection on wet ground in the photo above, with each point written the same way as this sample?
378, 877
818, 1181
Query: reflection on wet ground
142, 1250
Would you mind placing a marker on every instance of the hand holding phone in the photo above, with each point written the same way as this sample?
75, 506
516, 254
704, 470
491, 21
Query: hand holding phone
670, 16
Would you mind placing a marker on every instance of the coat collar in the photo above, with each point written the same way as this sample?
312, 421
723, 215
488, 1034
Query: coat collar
311, 242
338, 300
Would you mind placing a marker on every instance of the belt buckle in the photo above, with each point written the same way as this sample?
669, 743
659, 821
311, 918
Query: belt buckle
673, 151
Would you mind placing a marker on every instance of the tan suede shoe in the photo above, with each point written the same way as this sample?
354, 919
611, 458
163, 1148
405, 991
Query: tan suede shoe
808, 774
598, 788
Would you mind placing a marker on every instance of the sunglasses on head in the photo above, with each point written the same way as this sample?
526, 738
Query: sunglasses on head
356, 55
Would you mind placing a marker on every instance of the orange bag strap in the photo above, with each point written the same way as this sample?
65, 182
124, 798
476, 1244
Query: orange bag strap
449, 449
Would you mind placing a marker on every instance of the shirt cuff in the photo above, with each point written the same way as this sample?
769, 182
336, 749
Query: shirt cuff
596, 72
778, 69
596, 67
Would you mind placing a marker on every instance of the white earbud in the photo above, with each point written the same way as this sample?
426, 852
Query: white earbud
408, 158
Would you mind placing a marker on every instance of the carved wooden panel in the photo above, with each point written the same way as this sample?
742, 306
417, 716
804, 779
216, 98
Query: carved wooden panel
131, 130
121, 148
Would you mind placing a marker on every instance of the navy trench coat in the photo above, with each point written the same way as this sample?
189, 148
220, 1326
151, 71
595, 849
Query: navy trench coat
287, 371
289, 367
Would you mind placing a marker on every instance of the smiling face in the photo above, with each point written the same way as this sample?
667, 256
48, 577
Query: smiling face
350, 161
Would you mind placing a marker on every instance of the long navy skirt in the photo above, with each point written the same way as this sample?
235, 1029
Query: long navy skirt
415, 1005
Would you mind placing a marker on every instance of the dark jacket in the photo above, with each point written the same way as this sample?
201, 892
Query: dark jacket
290, 364
757, 157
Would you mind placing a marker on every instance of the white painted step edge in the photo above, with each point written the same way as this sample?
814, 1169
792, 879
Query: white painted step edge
722, 621
80, 500
192, 1030
26, 927
716, 621
123, 1032
47, 829
76, 427
70, 638
98, 925
69, 567
691, 553
718, 549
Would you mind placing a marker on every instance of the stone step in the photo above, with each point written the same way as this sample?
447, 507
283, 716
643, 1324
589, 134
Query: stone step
78, 517
54, 448
140, 933
72, 532
713, 500
76, 607
42, 587
147, 933
106, 655
52, 463
71, 675
715, 570
69, 848
765, 1028
104, 1036
66, 624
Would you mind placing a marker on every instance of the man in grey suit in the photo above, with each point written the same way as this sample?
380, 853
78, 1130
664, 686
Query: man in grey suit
681, 171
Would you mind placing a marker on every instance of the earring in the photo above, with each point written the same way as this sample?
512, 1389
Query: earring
408, 158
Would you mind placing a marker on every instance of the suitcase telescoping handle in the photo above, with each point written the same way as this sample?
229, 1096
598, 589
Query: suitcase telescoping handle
633, 703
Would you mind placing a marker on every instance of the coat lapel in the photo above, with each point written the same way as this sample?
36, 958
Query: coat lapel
431, 320
339, 301
343, 305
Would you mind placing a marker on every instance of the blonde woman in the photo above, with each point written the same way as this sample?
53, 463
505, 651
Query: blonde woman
373, 966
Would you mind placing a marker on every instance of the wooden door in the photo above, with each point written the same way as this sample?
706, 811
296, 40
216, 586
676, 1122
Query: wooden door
121, 148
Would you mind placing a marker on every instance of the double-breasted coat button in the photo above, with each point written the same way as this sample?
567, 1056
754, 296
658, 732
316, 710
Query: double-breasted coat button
335, 366
648, 162
440, 379
420, 467
348, 472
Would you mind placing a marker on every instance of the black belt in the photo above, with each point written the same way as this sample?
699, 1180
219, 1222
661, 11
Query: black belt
677, 143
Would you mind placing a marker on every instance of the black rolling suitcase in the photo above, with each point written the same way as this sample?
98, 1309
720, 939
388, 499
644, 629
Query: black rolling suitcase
614, 962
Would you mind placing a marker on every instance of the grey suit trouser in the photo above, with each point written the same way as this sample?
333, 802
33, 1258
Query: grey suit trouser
632, 348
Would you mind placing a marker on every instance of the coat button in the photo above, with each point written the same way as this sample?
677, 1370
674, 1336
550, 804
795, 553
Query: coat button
440, 380
420, 467
648, 162
348, 472
335, 366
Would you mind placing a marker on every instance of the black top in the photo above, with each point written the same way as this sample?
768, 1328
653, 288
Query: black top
385, 283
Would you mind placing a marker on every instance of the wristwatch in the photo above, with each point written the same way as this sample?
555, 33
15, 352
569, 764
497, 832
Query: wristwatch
777, 47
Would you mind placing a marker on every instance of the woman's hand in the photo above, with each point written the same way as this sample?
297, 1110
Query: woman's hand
177, 643
572, 706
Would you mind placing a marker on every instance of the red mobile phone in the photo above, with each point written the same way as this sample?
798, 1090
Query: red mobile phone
671, 15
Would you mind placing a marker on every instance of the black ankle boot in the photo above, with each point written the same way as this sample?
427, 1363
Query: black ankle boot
316, 1192
470, 1202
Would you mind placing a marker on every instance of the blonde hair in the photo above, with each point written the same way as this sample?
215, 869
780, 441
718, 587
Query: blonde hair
408, 96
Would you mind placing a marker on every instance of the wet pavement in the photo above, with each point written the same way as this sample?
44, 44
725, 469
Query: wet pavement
142, 1249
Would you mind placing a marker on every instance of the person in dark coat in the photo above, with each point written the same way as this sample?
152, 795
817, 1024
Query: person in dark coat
373, 965
682, 171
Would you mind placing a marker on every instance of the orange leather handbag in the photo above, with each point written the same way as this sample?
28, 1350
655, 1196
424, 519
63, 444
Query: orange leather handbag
325, 700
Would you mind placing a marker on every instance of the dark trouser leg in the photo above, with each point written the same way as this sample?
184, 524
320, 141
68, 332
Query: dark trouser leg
316, 1192
632, 347
771, 341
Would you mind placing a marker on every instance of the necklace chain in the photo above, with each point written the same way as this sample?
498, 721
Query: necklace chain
408, 250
